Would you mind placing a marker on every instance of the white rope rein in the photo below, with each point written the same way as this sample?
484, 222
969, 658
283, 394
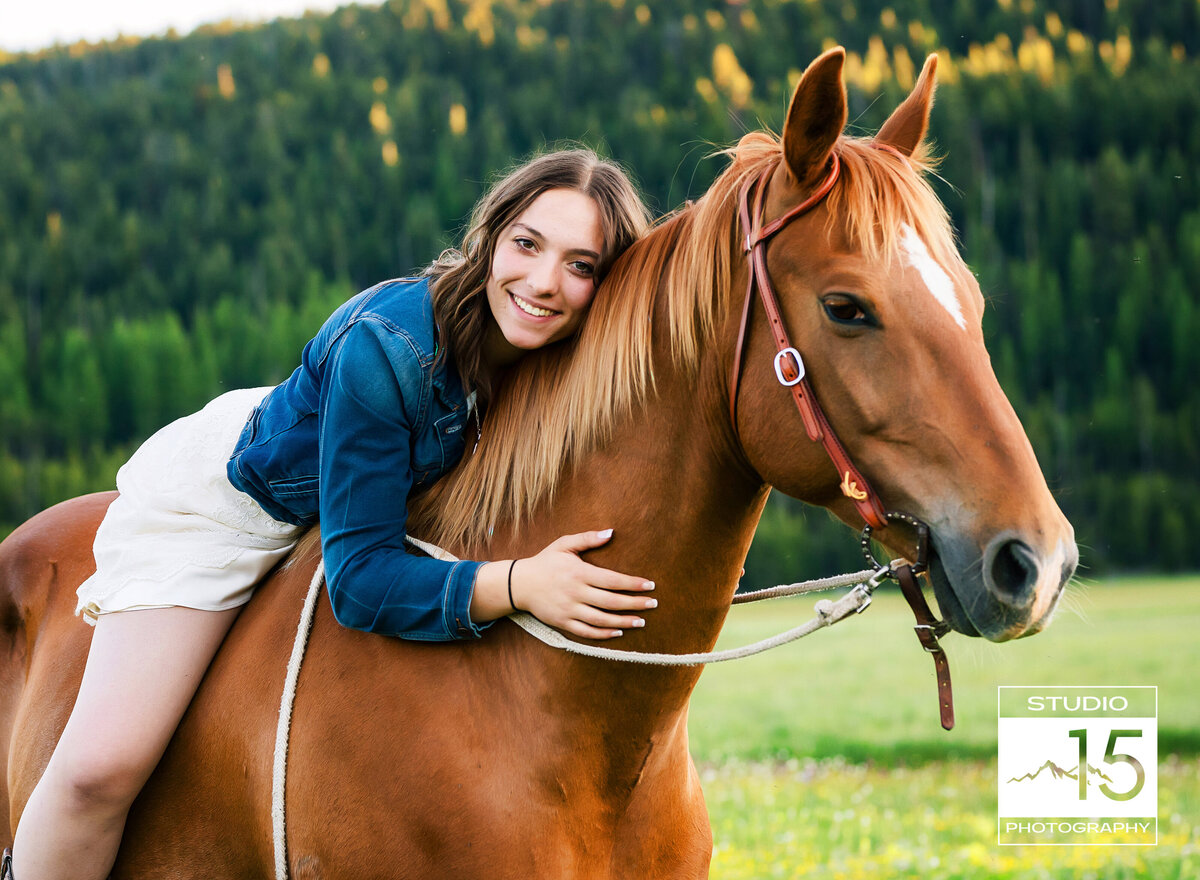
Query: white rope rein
829, 583
282, 731
828, 611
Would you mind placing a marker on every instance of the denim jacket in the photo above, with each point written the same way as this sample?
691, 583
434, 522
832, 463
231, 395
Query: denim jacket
368, 417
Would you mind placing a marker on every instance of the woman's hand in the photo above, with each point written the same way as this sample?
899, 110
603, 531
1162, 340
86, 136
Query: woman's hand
562, 590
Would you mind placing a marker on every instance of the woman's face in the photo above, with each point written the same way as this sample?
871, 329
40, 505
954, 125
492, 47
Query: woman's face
543, 273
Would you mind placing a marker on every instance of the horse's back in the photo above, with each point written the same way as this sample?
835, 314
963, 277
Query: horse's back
42, 644
400, 751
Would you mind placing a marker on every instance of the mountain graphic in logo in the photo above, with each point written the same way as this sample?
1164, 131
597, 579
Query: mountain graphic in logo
1058, 773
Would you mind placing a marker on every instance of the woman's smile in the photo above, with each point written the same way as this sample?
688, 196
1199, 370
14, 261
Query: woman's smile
530, 309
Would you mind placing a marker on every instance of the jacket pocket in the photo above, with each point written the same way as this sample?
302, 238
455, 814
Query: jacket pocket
428, 447
451, 430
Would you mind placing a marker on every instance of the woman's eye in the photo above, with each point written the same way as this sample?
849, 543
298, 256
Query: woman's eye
583, 268
846, 311
525, 244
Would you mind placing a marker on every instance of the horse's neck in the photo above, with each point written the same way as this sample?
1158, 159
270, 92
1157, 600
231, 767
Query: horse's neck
683, 514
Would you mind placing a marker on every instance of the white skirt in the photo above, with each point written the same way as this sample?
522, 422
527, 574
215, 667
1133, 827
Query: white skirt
180, 534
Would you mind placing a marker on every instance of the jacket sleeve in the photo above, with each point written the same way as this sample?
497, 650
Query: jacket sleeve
364, 427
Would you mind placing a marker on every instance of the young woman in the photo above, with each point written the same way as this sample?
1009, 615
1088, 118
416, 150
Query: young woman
385, 400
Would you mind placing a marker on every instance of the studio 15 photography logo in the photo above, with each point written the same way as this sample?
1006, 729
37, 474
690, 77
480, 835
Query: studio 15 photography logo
1077, 765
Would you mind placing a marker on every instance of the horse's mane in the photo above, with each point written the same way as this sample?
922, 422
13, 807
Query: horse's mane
559, 403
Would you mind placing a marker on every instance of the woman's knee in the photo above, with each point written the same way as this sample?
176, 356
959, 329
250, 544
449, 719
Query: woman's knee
142, 670
101, 778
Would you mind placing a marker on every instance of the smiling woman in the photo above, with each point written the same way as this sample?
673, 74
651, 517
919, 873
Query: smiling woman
375, 412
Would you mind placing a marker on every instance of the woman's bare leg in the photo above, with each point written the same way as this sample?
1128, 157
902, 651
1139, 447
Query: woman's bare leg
142, 670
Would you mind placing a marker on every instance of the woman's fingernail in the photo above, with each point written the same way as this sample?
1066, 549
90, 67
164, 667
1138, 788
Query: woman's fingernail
637, 621
651, 603
606, 534
616, 632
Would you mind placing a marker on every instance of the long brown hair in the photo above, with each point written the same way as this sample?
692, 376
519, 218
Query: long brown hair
460, 274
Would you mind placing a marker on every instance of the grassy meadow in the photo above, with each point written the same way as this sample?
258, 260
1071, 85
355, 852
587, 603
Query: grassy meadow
825, 759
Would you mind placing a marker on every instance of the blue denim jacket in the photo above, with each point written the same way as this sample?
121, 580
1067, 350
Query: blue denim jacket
367, 418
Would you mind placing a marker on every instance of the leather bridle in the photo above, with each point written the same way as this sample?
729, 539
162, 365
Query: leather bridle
791, 372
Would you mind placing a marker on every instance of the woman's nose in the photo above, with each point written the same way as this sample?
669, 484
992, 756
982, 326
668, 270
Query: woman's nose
543, 277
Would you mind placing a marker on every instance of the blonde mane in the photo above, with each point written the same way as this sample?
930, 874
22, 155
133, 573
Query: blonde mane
560, 403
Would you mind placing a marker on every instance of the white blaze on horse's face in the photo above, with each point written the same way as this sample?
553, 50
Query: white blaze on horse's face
934, 276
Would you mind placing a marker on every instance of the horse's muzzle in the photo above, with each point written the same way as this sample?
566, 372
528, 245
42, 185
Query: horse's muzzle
1007, 591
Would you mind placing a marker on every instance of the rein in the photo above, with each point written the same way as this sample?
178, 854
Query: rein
793, 375
284, 727
828, 613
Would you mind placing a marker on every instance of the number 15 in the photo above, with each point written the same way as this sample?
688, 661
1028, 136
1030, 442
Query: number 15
1110, 757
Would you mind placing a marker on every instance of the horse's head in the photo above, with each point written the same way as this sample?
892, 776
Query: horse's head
887, 316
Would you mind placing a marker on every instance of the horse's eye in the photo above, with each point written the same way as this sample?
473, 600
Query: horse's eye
845, 310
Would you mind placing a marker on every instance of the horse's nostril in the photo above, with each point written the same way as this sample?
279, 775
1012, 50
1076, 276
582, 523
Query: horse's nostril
1011, 570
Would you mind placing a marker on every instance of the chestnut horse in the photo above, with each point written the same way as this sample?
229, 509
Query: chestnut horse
503, 758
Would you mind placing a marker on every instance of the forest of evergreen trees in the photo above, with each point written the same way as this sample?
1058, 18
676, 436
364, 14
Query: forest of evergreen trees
178, 215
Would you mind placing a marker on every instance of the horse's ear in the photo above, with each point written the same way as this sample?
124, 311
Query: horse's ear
905, 128
816, 116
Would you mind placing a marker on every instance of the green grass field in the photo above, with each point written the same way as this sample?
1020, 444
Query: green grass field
825, 759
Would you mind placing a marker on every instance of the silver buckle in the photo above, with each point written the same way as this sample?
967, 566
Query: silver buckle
937, 631
799, 367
